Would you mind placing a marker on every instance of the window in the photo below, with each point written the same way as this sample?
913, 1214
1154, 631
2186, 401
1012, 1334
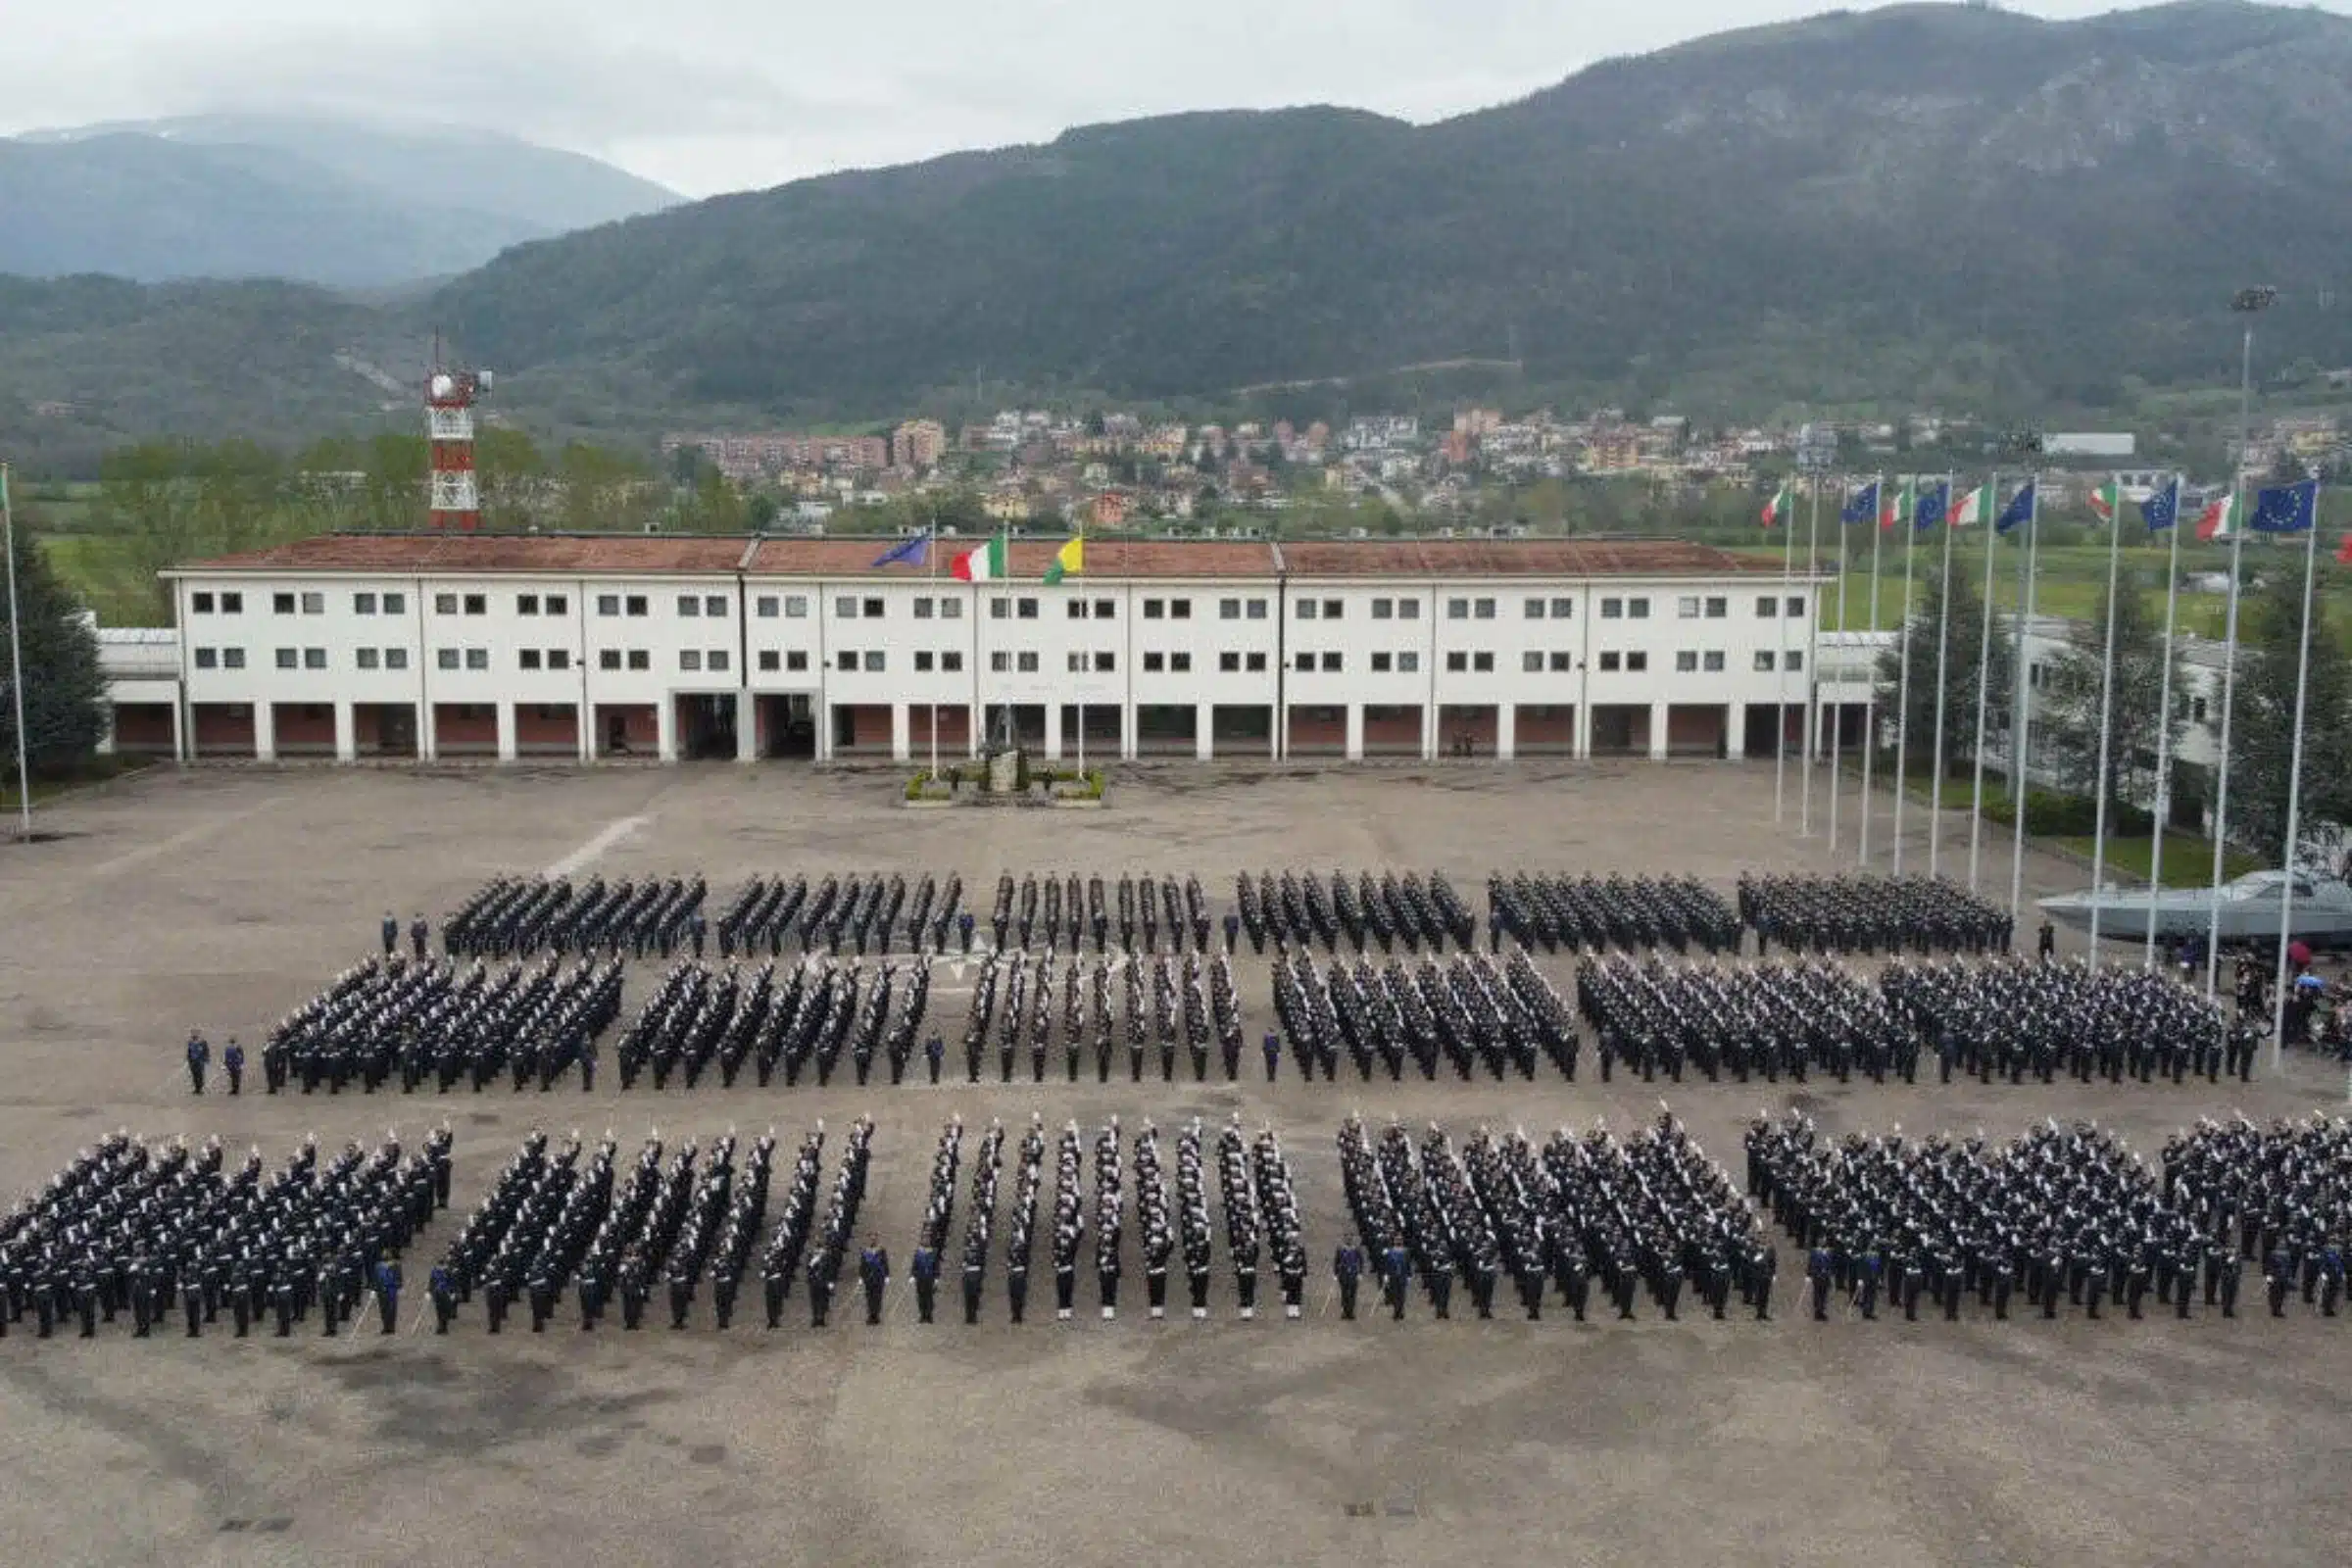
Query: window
1637, 663
1796, 606
1229, 664
1025, 664
526, 603
1612, 608
1077, 609
639, 659
1154, 663
1408, 609
922, 662
1793, 662
846, 662
1482, 609
1718, 607
1482, 664
1256, 663
637, 603
364, 658
232, 604
396, 658
766, 607
770, 662
1457, 662
608, 604
1000, 662
558, 604
1227, 609
1711, 662
951, 661
1155, 608
529, 657
313, 659
1534, 610
477, 658
1258, 610
233, 658
1562, 664
289, 659
1686, 662
1307, 610
1332, 609
362, 604
999, 609
691, 604
1768, 607
1384, 608
1458, 610
718, 658
475, 605
202, 604
283, 603
558, 659
1178, 664
715, 606
924, 607
1381, 663
1024, 610
1636, 610
1611, 660
689, 658
207, 658
445, 658
1764, 661
795, 607
1407, 662
1106, 609
1180, 609
1687, 608
608, 658
797, 659
1331, 664
1304, 663
1563, 609
394, 603
1531, 663
951, 610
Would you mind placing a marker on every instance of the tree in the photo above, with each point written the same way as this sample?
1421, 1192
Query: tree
1965, 645
2262, 724
64, 691
2068, 724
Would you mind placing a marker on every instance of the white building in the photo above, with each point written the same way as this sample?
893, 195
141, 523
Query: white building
586, 647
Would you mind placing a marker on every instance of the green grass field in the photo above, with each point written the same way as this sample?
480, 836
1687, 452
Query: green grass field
2187, 860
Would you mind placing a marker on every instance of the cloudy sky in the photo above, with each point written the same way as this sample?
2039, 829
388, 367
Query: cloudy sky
712, 95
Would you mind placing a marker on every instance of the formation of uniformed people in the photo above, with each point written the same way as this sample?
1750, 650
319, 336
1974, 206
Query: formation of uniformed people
1593, 914
1466, 1012
1110, 1210
781, 1259
434, 1025
2279, 1196
513, 917
703, 1018
1192, 1003
981, 1224
1299, 911
1069, 1219
1766, 1019
1245, 1226
939, 1219
145, 1230
869, 913
2015, 1018
1857, 912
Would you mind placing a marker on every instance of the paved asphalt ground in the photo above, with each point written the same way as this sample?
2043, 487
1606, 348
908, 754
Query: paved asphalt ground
221, 898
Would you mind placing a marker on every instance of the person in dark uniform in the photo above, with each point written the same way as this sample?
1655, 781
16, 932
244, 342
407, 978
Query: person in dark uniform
200, 1055
1272, 1046
233, 1063
417, 932
2045, 941
873, 1273
391, 932
444, 1292
1397, 1274
935, 1051
387, 1273
1348, 1267
924, 1271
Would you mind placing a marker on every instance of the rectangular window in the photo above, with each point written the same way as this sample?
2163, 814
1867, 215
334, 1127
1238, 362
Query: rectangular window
1258, 610
1155, 608
1562, 664
846, 662
200, 603
1331, 664
526, 603
362, 604
720, 660
207, 658
1534, 610
558, 604
475, 605
715, 606
951, 610
999, 609
951, 661
796, 660
1227, 609
637, 605
1458, 610
1024, 610
1025, 664
690, 605
1718, 607
1304, 662
922, 662
1686, 662
690, 658
1384, 608
1409, 663
1256, 663
1381, 663
1105, 663
1307, 610
1106, 609
1796, 606
289, 659
923, 604
447, 659
394, 603
867, 609
795, 607
1687, 608
528, 658
1332, 609
477, 658
1563, 609
233, 658
232, 604
1229, 664
313, 659
769, 661
283, 603
1711, 662
1610, 660
1482, 609
1154, 664
1612, 608
1764, 661
608, 604
1076, 609
1178, 664
766, 607
608, 658
1408, 609
1636, 610
1531, 663
1794, 662
1637, 663
1768, 607
1482, 664
1457, 662
639, 659
396, 658
999, 663
364, 658
1180, 609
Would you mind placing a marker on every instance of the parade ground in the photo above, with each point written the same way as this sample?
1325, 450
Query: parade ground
220, 898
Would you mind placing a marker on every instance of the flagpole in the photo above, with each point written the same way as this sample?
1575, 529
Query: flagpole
2163, 735
931, 565
1838, 713
2251, 302
1811, 683
2294, 802
1870, 699
2098, 840
1780, 738
1943, 648
2021, 723
1903, 698
1976, 808
16, 660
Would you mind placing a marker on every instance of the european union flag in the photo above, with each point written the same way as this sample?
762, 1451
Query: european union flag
914, 551
2287, 509
1862, 506
2018, 513
1935, 501
2162, 508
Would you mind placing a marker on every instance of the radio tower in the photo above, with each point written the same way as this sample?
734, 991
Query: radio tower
448, 397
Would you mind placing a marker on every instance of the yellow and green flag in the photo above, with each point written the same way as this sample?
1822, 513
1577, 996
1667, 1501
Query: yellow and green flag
1068, 562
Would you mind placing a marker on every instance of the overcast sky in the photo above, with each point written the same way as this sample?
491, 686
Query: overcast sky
712, 95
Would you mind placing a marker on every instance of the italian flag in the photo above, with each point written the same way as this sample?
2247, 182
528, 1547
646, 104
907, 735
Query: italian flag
2218, 520
1973, 509
2107, 501
987, 564
1776, 511
1896, 507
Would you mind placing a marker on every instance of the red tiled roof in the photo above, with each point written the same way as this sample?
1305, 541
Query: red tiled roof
457, 554
1517, 558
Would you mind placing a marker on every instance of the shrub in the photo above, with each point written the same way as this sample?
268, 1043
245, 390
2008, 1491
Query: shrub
2056, 816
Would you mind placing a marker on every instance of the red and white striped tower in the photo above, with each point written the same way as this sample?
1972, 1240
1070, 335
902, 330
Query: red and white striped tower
448, 397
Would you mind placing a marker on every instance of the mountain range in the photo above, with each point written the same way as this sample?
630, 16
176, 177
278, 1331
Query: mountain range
1923, 204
